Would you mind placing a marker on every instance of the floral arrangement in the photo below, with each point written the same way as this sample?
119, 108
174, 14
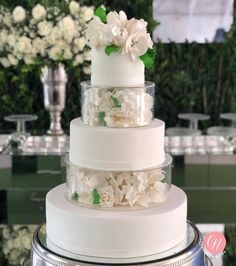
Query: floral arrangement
109, 189
17, 243
118, 34
117, 107
45, 36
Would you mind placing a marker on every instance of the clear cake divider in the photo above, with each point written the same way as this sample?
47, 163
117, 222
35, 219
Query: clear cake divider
112, 189
118, 107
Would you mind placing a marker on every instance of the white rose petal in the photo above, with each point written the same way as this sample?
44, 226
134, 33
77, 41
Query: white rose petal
39, 12
107, 198
136, 26
19, 14
137, 45
120, 20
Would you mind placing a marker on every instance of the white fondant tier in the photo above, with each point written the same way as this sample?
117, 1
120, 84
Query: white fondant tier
116, 69
117, 149
118, 234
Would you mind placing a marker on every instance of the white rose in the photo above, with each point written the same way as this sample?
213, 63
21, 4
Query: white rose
19, 14
87, 13
7, 20
79, 59
67, 26
29, 59
80, 43
24, 45
67, 54
137, 45
13, 60
87, 70
98, 33
74, 7
11, 39
38, 45
45, 28
39, 12
5, 62
107, 198
87, 56
55, 52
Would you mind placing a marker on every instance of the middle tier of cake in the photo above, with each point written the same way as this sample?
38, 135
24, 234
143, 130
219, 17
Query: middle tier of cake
117, 149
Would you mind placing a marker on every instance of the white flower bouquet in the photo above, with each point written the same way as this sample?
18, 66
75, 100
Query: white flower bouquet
118, 34
17, 242
45, 36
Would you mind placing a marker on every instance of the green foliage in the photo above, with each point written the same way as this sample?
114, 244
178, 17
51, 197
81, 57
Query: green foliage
101, 13
111, 49
96, 197
148, 58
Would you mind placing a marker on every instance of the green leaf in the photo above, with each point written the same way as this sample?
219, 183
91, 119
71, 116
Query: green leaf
101, 117
111, 49
96, 197
101, 13
116, 101
148, 58
75, 196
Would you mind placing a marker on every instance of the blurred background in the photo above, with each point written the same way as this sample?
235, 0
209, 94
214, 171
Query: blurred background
195, 75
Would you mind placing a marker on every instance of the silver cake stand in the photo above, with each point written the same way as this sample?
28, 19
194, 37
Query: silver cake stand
189, 252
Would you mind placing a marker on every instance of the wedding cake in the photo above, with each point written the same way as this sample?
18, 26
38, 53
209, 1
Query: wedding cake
118, 201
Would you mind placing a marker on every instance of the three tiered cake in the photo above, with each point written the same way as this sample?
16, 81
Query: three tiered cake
118, 201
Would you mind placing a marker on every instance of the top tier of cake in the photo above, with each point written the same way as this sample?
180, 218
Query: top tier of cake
117, 69
121, 49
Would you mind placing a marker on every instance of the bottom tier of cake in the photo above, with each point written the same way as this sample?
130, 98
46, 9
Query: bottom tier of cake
117, 233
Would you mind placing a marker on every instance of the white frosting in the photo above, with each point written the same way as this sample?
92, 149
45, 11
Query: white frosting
116, 234
117, 149
116, 69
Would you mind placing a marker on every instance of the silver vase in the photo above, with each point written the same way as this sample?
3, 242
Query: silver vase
54, 87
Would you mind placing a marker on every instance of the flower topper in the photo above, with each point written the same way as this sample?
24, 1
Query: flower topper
118, 34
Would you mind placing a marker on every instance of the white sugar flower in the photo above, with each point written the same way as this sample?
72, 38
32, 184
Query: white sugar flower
131, 194
98, 33
120, 20
142, 181
39, 12
87, 13
137, 44
158, 193
120, 35
5, 62
155, 176
13, 60
24, 45
119, 118
136, 26
74, 7
19, 14
107, 197
144, 200
45, 28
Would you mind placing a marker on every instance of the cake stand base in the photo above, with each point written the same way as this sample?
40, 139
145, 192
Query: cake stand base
187, 253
